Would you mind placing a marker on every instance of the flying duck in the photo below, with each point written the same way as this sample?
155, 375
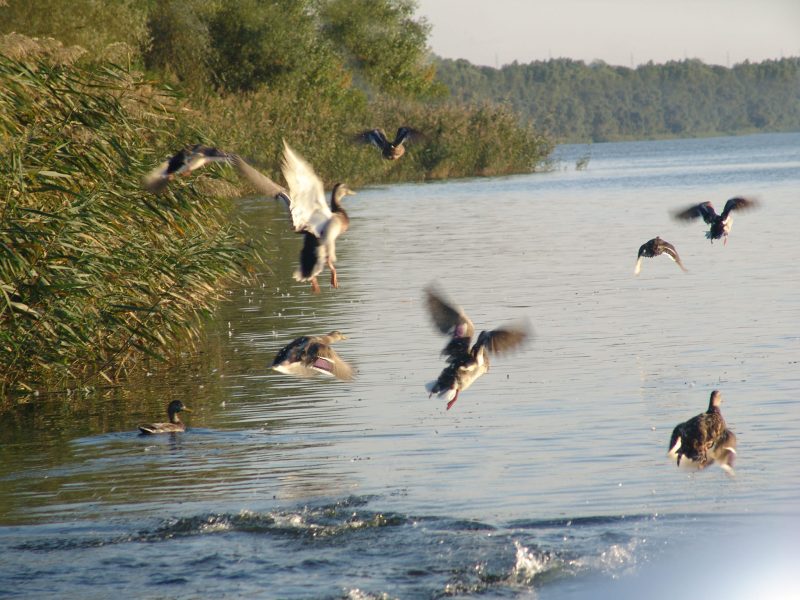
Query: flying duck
175, 425
182, 163
466, 361
308, 356
319, 223
656, 247
720, 224
705, 439
389, 150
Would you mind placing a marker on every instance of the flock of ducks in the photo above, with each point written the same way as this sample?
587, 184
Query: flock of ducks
698, 442
720, 227
704, 439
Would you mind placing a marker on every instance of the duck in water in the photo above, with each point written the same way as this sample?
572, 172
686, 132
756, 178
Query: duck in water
308, 356
705, 439
175, 424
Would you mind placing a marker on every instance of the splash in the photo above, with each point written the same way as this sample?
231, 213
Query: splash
528, 565
357, 594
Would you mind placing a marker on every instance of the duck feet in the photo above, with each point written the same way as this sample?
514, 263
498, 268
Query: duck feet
334, 278
453, 401
315, 285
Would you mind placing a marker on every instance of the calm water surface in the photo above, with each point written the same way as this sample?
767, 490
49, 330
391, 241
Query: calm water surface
547, 479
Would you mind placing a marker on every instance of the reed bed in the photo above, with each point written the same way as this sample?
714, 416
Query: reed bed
460, 141
95, 272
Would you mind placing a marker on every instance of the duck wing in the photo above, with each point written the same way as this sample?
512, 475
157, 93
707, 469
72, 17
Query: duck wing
376, 137
291, 351
327, 361
309, 209
503, 339
668, 249
199, 155
155, 428
737, 203
704, 210
452, 321
183, 162
406, 133
258, 180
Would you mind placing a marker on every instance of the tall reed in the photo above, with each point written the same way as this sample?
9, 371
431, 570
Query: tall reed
94, 271
460, 140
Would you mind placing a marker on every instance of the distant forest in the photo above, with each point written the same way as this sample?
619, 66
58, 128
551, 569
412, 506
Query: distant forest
575, 102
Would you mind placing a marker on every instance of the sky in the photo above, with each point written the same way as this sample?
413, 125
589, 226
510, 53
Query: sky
618, 32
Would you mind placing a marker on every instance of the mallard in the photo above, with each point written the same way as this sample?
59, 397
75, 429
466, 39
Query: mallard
656, 247
182, 163
705, 439
389, 150
308, 356
319, 223
720, 224
175, 425
466, 363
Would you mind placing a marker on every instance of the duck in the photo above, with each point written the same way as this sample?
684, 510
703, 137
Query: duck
308, 356
312, 217
175, 424
389, 150
466, 361
656, 247
720, 224
183, 162
320, 224
704, 439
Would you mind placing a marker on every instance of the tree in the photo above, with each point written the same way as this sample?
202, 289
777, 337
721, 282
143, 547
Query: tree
382, 42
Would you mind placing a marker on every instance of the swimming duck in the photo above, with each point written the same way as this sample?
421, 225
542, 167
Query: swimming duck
466, 363
308, 356
319, 223
720, 224
656, 247
389, 150
705, 439
182, 163
175, 425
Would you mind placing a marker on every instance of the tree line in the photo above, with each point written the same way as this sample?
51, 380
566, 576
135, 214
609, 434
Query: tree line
578, 102
312, 71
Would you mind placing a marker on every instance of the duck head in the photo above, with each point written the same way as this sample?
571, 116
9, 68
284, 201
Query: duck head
174, 408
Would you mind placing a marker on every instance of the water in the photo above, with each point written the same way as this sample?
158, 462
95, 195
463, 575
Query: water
547, 479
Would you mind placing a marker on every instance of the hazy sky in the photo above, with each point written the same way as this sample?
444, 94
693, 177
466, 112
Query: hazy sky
619, 32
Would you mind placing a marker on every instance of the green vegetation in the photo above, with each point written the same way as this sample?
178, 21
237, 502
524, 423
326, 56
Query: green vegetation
576, 102
94, 272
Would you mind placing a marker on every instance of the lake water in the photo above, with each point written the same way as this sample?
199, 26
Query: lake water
549, 476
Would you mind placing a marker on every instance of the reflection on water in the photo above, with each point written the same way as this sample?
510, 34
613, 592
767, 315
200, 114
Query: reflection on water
576, 426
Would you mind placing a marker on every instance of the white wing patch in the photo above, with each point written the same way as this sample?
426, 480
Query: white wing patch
309, 209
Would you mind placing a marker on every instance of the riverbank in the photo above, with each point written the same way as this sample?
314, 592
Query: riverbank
96, 272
